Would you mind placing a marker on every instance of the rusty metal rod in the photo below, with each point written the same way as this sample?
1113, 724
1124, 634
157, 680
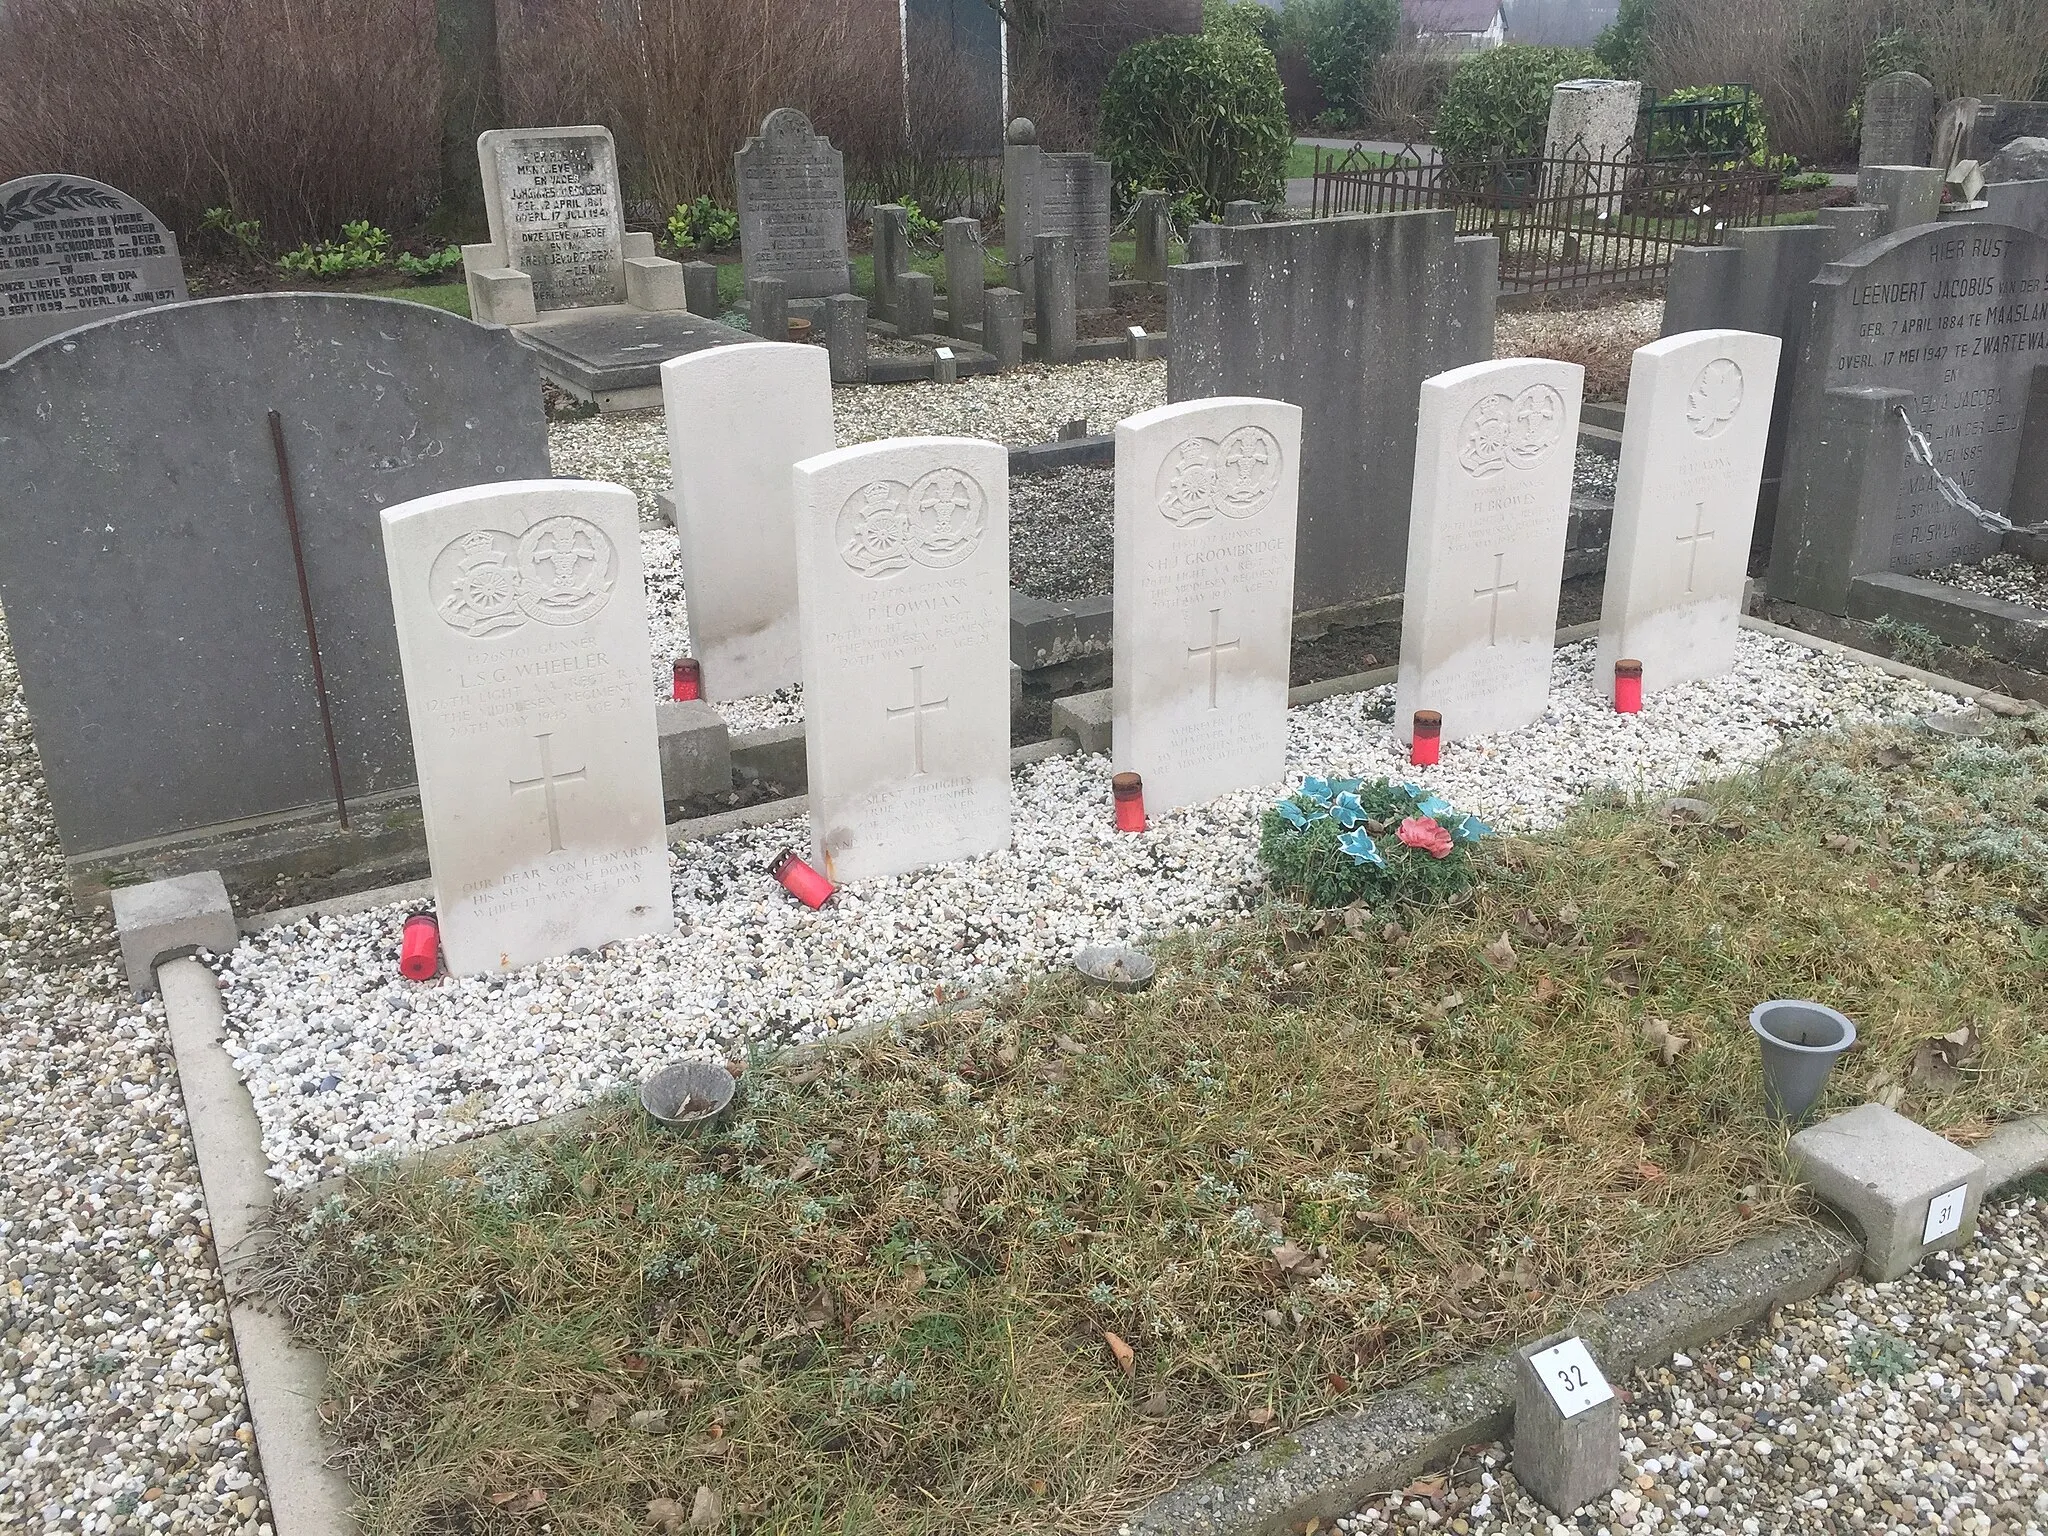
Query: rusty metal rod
291, 522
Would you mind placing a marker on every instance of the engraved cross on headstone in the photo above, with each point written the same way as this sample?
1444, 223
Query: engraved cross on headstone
546, 785
1493, 592
918, 707
1692, 542
1216, 644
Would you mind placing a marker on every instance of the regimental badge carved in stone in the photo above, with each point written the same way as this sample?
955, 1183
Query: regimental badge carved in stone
1236, 477
1716, 397
887, 525
1502, 431
489, 582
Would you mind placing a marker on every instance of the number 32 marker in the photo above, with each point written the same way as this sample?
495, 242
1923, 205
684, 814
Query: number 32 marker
1574, 1382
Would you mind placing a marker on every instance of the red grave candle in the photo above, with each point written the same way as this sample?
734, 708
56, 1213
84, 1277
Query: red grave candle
419, 953
1628, 687
800, 880
1428, 741
1128, 791
689, 679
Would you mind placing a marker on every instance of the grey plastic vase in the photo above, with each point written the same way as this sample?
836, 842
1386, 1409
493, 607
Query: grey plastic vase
1800, 1042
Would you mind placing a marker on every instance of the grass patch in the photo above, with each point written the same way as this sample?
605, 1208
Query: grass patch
453, 297
1321, 1155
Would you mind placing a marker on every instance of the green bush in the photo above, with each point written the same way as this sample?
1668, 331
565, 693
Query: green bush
362, 248
703, 225
239, 235
1342, 41
1715, 140
1198, 115
1336, 841
1243, 18
1624, 43
1498, 103
423, 268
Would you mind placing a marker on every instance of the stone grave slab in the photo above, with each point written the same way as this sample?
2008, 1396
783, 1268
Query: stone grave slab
146, 566
1278, 312
73, 250
613, 355
1204, 588
1898, 120
552, 196
739, 419
1685, 499
903, 582
1062, 192
1493, 487
792, 206
1956, 317
522, 628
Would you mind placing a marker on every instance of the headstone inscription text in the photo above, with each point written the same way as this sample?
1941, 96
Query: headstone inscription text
522, 629
1205, 513
1898, 120
903, 605
792, 206
552, 195
72, 249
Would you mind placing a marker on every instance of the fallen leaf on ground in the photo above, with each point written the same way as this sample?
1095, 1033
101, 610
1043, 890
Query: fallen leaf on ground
1938, 1062
603, 1409
1649, 1173
667, 1514
1530, 926
707, 1513
1501, 954
1464, 1276
1624, 977
1258, 1418
1546, 989
1658, 1033
1156, 1406
1449, 1004
1568, 915
1431, 1487
1070, 1045
1126, 1358
1527, 1274
1293, 1260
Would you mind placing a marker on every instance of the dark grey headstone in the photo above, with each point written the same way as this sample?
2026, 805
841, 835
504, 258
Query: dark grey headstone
1898, 120
1152, 216
1956, 317
792, 197
914, 304
846, 337
73, 250
891, 225
1058, 326
1345, 318
1064, 193
145, 567
700, 289
2000, 122
965, 277
1003, 326
617, 348
768, 308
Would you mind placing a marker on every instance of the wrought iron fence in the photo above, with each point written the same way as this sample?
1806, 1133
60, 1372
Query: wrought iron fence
1566, 221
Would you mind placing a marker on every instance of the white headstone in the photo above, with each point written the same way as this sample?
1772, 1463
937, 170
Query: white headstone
903, 581
552, 197
1494, 448
739, 419
1205, 509
1692, 456
522, 632
73, 249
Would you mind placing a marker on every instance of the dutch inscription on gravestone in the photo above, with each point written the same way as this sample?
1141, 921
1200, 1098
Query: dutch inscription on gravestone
792, 206
553, 199
1898, 120
71, 250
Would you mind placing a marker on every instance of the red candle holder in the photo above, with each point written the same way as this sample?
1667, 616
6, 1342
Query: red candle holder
1427, 744
419, 953
800, 880
1129, 792
689, 679
1628, 687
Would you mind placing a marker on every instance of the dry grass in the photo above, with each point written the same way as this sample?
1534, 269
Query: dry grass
1312, 1162
1601, 339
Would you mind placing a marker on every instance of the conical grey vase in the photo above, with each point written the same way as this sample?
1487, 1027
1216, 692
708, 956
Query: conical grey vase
1800, 1042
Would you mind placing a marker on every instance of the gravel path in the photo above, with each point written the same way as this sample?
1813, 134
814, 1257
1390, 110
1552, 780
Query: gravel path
2010, 577
120, 1405
1917, 1405
1062, 532
345, 1060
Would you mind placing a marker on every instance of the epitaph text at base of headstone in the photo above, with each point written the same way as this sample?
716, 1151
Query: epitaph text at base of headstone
1957, 317
1493, 483
522, 626
739, 419
1205, 507
792, 206
903, 575
552, 195
1692, 457
73, 249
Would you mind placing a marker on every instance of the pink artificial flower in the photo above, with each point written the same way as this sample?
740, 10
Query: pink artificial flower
1421, 832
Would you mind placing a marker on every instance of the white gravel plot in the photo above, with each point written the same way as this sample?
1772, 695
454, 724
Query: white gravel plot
1916, 1405
668, 636
120, 1405
345, 1059
2008, 577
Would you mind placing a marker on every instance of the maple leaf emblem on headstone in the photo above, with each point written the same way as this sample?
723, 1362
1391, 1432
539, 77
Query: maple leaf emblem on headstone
1715, 398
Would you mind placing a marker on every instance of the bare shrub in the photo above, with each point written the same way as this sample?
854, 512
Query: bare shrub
1061, 53
299, 113
1804, 56
1977, 47
1407, 83
1298, 84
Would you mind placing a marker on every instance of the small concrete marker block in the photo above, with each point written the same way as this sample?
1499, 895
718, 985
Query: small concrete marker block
700, 288
1908, 1191
1016, 689
914, 304
695, 747
169, 919
1084, 719
945, 366
652, 283
1567, 1424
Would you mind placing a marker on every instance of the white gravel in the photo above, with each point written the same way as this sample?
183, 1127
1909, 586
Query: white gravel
345, 1060
1916, 1405
120, 1404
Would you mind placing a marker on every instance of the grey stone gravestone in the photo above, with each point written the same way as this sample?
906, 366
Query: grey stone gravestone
1345, 318
1898, 120
1152, 216
792, 197
891, 225
553, 199
1056, 193
964, 275
1956, 318
146, 566
73, 249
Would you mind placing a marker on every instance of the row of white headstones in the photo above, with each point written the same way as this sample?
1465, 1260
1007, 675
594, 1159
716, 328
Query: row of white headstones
879, 576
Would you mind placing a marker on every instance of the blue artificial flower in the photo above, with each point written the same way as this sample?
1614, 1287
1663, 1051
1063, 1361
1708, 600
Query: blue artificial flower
1293, 813
1346, 809
1346, 786
1361, 847
1318, 790
1430, 803
1470, 829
